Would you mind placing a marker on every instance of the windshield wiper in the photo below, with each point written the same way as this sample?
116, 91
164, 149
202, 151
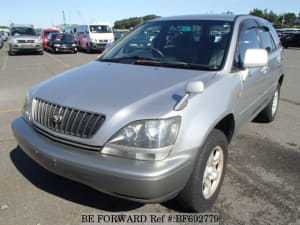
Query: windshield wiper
154, 62
131, 59
176, 64
191, 66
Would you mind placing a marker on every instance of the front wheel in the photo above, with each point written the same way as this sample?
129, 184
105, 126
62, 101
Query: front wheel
205, 183
88, 48
11, 53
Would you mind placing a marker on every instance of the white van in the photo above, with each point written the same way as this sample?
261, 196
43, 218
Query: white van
94, 37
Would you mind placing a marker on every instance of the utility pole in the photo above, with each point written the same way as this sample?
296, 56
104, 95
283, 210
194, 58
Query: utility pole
283, 20
64, 18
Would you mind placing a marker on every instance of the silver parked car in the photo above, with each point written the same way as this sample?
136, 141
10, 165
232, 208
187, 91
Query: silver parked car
23, 38
151, 119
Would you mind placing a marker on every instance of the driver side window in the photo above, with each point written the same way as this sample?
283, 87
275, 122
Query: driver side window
248, 39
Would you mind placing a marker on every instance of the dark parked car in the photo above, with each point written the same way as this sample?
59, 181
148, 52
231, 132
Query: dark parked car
45, 34
291, 40
120, 33
61, 42
1, 40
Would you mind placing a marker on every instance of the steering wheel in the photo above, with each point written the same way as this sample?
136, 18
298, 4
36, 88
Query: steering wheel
157, 52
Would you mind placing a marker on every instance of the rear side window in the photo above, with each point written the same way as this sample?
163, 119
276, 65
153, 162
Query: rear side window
266, 40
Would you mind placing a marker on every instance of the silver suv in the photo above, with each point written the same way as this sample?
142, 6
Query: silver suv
151, 119
23, 38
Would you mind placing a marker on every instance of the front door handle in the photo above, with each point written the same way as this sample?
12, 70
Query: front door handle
264, 70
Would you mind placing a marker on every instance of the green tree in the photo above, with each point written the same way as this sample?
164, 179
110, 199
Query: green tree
288, 19
257, 12
268, 15
132, 22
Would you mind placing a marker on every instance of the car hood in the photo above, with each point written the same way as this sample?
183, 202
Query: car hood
122, 92
24, 37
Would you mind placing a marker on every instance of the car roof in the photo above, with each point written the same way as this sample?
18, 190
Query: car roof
220, 17
50, 29
227, 17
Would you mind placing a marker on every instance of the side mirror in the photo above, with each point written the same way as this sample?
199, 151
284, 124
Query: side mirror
195, 87
192, 87
255, 58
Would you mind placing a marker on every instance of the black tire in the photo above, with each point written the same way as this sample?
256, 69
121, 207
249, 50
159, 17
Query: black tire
41, 53
11, 53
193, 197
88, 49
268, 114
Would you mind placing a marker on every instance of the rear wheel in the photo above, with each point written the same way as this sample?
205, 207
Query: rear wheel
268, 114
206, 180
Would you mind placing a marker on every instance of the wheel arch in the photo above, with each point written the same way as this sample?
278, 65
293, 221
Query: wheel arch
227, 126
280, 81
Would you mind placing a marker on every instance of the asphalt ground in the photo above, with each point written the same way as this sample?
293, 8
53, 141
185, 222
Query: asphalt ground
261, 186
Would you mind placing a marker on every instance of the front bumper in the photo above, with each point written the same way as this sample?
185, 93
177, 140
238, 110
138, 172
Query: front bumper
98, 46
65, 48
26, 47
141, 181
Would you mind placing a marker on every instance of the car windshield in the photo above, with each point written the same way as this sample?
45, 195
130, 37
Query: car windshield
15, 31
100, 29
46, 33
182, 44
59, 37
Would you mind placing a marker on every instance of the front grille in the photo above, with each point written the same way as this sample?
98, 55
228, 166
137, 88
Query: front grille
25, 41
66, 120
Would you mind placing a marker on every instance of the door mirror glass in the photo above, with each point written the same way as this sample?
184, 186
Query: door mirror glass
255, 58
195, 87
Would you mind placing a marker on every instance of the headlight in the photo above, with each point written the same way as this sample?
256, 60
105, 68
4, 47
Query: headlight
39, 40
73, 45
56, 45
13, 41
144, 140
27, 106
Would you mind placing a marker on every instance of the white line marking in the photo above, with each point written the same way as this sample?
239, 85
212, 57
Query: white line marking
4, 63
9, 110
58, 60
